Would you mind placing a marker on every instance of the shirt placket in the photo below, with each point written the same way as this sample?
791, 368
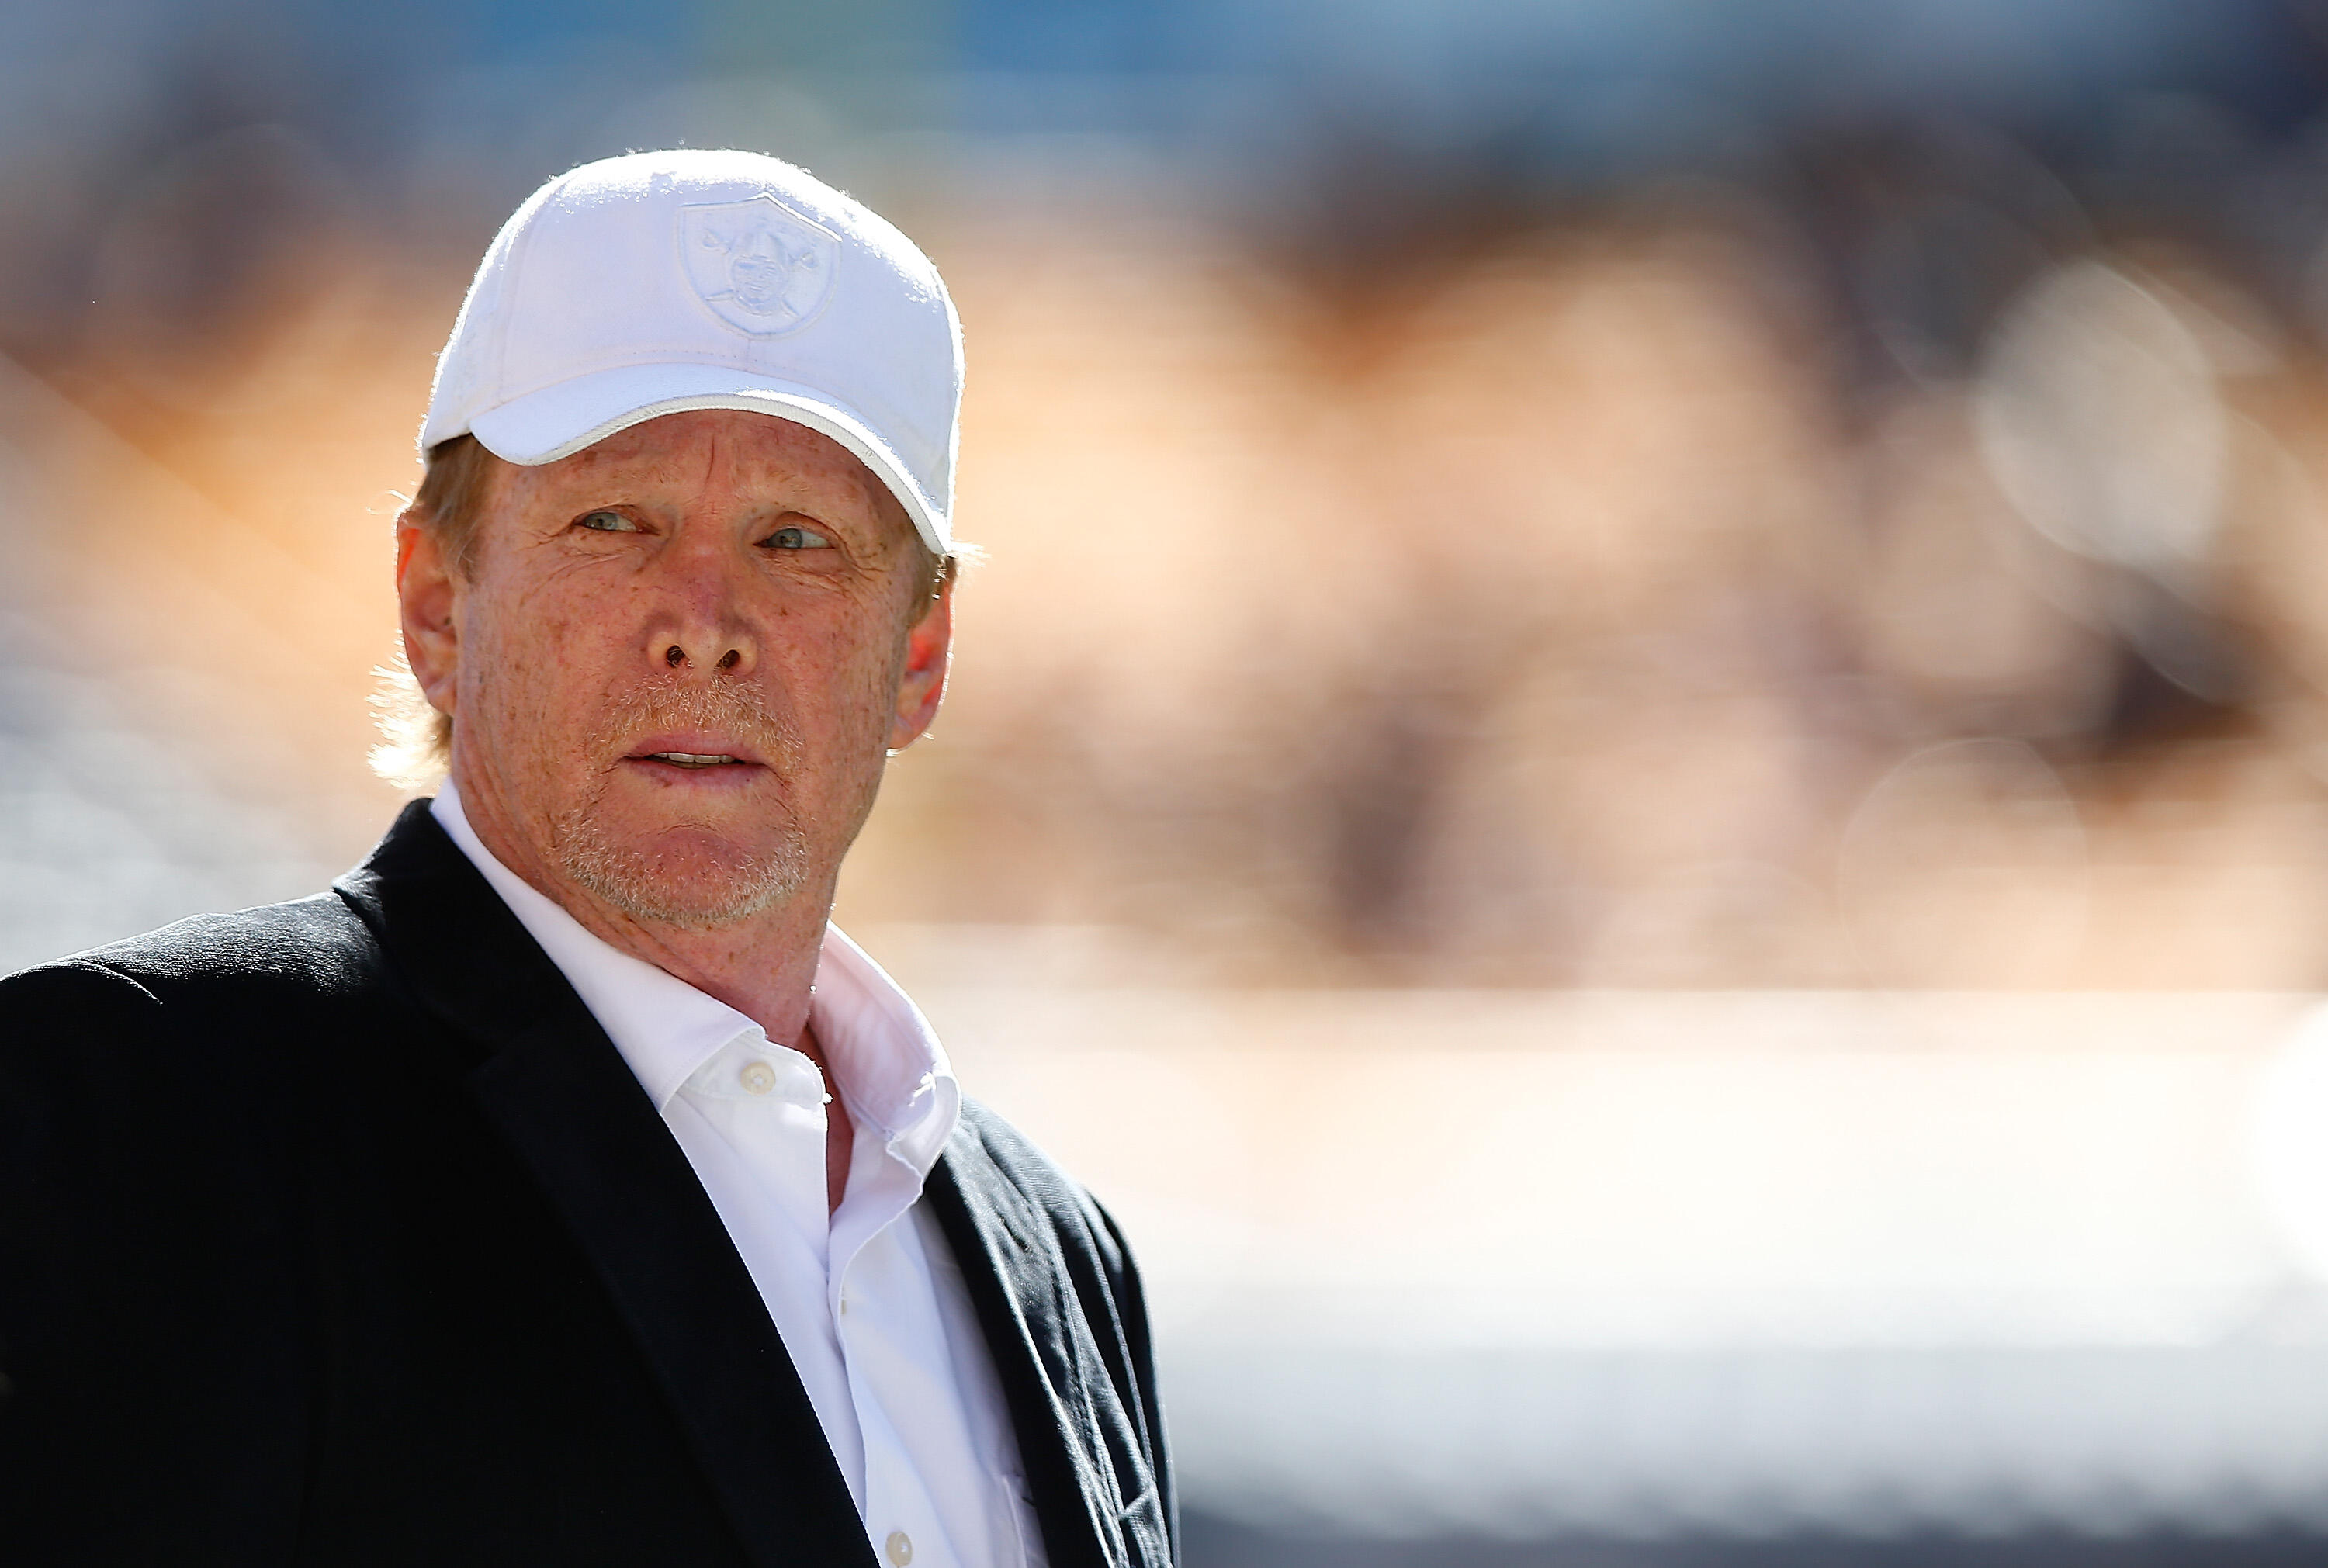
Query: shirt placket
899, 1515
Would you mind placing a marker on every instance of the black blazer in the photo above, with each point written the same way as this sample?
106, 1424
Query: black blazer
338, 1232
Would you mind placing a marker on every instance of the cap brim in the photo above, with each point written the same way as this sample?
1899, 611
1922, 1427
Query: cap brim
560, 420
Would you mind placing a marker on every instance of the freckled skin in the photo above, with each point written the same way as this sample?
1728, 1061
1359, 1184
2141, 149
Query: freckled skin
788, 578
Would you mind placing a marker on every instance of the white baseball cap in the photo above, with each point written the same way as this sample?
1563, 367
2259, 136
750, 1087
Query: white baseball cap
655, 282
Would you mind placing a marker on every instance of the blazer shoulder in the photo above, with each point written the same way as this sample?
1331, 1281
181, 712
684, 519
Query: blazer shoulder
1013, 1157
316, 946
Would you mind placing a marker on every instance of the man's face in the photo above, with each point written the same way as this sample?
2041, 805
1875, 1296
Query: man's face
679, 661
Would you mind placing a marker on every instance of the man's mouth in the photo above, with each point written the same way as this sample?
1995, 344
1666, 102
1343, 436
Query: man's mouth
714, 752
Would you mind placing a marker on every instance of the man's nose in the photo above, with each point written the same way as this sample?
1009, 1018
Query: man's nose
701, 628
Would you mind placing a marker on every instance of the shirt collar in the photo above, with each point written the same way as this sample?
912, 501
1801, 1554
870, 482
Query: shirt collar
886, 1060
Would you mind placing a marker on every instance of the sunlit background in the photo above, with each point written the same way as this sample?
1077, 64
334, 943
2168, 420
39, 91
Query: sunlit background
1641, 766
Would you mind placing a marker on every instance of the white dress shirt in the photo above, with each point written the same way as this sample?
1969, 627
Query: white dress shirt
866, 1297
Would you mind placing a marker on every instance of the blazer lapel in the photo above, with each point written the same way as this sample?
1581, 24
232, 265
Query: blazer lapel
569, 1106
1092, 1492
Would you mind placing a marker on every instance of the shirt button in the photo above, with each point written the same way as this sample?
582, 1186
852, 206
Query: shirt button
758, 1077
900, 1547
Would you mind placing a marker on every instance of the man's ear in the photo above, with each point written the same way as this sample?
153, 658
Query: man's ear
929, 649
425, 594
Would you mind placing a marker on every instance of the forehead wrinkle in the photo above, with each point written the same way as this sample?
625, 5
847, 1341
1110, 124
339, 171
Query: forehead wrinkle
715, 449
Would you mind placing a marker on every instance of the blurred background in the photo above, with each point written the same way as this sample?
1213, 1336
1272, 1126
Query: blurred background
1649, 703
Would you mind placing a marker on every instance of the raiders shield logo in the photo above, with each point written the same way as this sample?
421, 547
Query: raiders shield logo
761, 268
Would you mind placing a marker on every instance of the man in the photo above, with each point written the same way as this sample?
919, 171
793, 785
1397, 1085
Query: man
561, 1186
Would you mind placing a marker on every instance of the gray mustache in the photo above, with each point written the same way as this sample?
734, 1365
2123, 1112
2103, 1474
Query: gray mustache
737, 711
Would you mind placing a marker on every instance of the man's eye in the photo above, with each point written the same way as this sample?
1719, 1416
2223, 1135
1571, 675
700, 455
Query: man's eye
797, 538
606, 522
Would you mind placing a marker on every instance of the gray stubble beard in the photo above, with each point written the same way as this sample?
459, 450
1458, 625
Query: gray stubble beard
636, 882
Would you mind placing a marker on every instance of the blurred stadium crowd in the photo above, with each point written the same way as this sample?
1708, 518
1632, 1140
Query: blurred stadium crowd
1767, 519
